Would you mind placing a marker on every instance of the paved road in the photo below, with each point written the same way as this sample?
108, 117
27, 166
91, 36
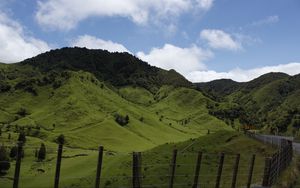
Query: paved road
275, 140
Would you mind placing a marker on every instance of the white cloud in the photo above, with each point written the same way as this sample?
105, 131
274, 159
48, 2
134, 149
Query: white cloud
66, 14
190, 62
242, 75
15, 44
265, 21
183, 60
97, 43
218, 39
205, 4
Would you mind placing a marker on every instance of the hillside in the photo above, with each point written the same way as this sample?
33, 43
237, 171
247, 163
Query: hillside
218, 89
95, 98
270, 101
86, 95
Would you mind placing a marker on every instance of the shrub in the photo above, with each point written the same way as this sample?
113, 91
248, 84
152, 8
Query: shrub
4, 160
22, 112
42, 152
22, 137
121, 120
13, 152
60, 139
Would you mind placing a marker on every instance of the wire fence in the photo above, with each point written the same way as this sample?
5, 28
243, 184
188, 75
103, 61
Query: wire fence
279, 161
161, 169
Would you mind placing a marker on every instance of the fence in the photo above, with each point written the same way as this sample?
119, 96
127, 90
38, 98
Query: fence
239, 168
279, 161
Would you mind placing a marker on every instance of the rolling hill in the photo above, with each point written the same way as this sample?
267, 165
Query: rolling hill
95, 98
270, 101
81, 93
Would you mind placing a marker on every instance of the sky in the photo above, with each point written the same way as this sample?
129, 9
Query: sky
203, 40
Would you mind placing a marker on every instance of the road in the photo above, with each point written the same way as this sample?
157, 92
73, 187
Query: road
275, 140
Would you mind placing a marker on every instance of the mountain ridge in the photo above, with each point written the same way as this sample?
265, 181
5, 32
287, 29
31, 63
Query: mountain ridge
117, 68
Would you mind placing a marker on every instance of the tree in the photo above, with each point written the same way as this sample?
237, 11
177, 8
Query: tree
4, 160
13, 152
22, 137
42, 152
22, 112
60, 139
121, 120
0, 132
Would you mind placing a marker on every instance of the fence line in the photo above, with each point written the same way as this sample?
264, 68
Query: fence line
273, 167
279, 161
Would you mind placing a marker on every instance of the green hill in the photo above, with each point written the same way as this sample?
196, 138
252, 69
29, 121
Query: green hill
119, 69
270, 101
85, 93
95, 98
218, 89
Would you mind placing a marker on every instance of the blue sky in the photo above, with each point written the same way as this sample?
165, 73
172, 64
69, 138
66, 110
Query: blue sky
201, 39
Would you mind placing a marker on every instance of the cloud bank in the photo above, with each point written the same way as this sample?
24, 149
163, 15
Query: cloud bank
66, 14
242, 75
15, 44
219, 39
189, 61
183, 60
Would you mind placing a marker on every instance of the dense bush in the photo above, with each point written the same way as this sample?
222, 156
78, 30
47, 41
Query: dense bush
42, 152
28, 85
4, 87
122, 120
22, 112
60, 139
4, 160
13, 152
22, 137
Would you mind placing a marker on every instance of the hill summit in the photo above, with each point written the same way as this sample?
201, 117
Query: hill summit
119, 69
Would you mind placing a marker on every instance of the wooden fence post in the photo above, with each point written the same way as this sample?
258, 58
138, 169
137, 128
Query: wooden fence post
58, 164
197, 171
235, 170
267, 170
18, 165
221, 162
251, 171
135, 171
277, 158
140, 176
290, 145
173, 167
99, 167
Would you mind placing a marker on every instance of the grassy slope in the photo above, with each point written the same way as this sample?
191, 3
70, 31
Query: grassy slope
84, 110
271, 101
117, 166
